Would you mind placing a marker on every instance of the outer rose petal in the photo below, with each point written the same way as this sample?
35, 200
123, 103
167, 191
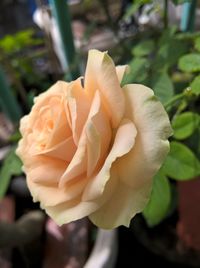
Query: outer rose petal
124, 203
101, 75
71, 210
76, 208
57, 89
152, 146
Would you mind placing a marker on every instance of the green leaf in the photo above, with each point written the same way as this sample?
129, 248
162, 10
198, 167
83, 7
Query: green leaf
181, 163
197, 44
11, 166
15, 137
143, 48
185, 124
190, 63
163, 87
184, 36
7, 44
138, 71
195, 85
157, 208
169, 52
167, 35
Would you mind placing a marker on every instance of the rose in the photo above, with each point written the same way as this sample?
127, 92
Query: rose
92, 150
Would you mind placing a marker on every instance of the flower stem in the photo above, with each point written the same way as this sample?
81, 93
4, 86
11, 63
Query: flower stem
174, 99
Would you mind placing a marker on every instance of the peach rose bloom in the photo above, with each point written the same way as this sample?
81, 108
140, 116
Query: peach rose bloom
92, 150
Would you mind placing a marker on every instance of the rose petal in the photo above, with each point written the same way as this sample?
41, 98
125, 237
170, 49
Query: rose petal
56, 90
70, 211
78, 165
51, 195
77, 208
61, 130
45, 170
93, 147
123, 143
24, 125
121, 70
152, 146
98, 133
64, 150
79, 105
101, 75
124, 203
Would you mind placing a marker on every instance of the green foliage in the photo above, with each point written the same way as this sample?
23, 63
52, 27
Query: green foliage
185, 124
143, 48
13, 43
170, 51
195, 86
153, 60
159, 203
169, 63
15, 137
197, 44
20, 54
163, 87
190, 63
11, 166
136, 72
182, 105
181, 163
